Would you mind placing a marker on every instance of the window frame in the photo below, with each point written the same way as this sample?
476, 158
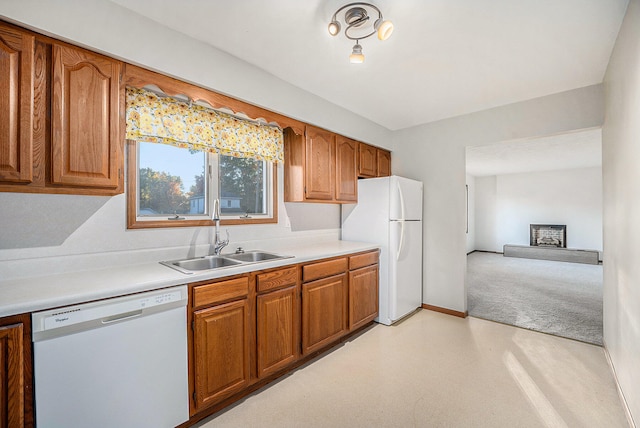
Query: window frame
133, 222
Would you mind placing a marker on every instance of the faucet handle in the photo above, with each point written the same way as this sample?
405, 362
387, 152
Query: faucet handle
226, 241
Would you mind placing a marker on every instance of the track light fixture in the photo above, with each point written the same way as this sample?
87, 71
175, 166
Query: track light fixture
358, 26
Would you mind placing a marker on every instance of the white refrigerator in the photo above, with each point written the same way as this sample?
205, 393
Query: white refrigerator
389, 213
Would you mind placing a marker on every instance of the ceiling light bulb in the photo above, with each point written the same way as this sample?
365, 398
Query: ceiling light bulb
385, 28
334, 28
356, 56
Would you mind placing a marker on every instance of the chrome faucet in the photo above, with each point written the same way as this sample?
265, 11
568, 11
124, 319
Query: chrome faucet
218, 244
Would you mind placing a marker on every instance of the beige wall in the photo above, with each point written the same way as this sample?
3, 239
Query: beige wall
621, 183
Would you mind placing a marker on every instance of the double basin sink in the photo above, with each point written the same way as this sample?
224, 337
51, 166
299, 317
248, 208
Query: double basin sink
199, 264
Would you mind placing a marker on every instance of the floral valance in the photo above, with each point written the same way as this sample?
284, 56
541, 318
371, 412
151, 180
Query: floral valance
167, 120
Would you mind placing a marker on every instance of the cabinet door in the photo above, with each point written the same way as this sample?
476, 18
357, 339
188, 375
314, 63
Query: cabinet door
221, 352
319, 155
367, 159
278, 335
16, 104
11, 376
324, 312
384, 163
346, 170
85, 120
363, 296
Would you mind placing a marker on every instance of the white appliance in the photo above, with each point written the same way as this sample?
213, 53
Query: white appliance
120, 362
389, 213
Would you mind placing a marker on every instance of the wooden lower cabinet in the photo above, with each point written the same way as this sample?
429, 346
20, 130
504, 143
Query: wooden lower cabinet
16, 370
277, 330
221, 351
324, 311
249, 329
363, 296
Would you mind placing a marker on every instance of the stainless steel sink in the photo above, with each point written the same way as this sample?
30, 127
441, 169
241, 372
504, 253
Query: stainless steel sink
256, 256
198, 264
201, 263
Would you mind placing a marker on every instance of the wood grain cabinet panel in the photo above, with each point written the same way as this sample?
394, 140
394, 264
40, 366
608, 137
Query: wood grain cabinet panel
367, 161
220, 291
346, 170
363, 296
324, 268
319, 171
324, 312
277, 332
85, 118
16, 104
221, 352
277, 279
12, 373
384, 163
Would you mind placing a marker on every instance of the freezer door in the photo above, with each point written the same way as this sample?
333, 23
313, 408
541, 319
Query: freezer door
405, 268
405, 202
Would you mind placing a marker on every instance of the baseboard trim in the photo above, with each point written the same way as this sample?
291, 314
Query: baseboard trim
625, 406
445, 311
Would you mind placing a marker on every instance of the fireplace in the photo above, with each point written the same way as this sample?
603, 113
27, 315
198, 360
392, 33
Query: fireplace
548, 235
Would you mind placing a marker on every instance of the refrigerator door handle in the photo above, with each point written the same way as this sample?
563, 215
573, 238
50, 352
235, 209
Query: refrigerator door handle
401, 243
401, 201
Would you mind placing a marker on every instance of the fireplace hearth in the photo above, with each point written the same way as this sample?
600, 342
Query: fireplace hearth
548, 235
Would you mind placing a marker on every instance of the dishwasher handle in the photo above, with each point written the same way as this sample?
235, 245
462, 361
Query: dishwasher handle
122, 317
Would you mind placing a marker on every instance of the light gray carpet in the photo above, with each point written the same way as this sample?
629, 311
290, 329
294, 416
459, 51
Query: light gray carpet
559, 298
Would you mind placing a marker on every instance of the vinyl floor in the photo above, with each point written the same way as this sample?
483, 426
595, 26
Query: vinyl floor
436, 370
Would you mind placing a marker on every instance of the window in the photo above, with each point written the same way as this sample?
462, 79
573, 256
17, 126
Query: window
171, 181
170, 186
182, 156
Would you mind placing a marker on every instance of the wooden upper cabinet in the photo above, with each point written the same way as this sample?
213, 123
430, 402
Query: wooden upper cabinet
319, 171
85, 121
384, 163
320, 167
346, 170
373, 162
16, 104
367, 160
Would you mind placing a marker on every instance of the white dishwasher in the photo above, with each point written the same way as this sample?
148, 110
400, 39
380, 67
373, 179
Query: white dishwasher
120, 362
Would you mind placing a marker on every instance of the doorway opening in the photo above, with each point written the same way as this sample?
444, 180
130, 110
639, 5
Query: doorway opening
544, 193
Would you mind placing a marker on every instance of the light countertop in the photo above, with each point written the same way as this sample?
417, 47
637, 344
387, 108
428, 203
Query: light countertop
44, 292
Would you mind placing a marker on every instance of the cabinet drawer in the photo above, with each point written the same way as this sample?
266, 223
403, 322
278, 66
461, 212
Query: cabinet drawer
323, 269
277, 279
362, 260
220, 291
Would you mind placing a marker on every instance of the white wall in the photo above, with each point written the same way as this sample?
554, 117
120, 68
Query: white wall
79, 232
471, 216
621, 180
435, 154
572, 197
486, 203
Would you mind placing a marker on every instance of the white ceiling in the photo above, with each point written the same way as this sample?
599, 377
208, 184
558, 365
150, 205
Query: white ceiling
567, 151
445, 57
